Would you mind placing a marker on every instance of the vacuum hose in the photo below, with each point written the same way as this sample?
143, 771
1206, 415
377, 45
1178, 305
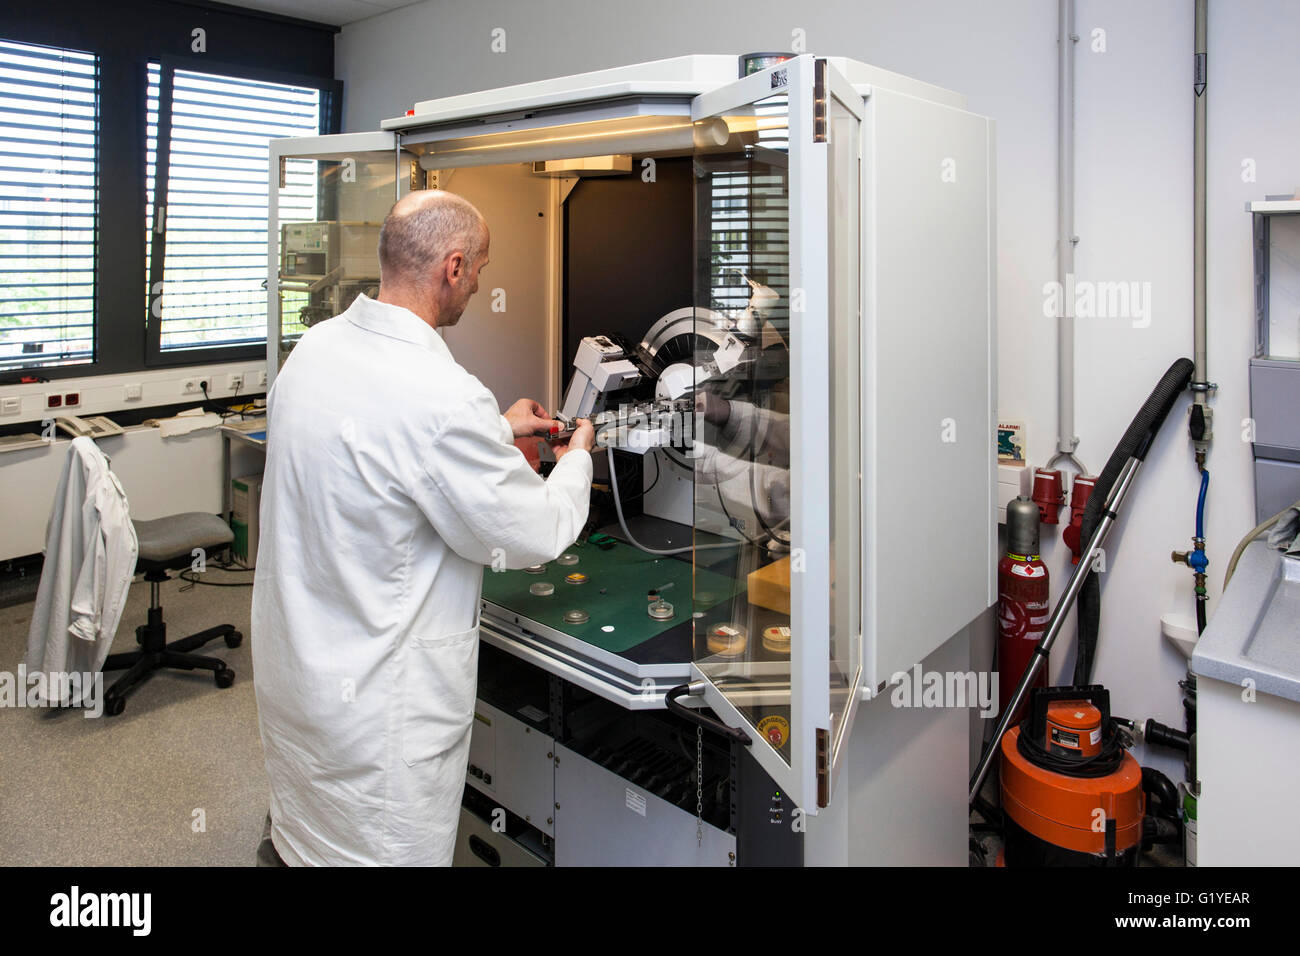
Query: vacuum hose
1141, 432
1098, 518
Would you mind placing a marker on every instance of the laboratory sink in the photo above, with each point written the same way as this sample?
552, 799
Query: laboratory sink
1255, 632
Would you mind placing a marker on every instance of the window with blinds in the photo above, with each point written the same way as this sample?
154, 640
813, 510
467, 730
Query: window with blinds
207, 202
750, 217
49, 115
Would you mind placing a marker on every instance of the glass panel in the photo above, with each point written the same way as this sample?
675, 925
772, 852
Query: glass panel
330, 215
845, 368
1284, 287
742, 440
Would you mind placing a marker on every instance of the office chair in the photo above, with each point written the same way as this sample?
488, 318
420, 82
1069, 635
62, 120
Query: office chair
168, 544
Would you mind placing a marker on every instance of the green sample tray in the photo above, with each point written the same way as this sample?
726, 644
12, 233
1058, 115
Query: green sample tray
626, 574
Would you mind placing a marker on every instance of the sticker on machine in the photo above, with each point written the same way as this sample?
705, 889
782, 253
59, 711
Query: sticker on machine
775, 730
635, 801
1064, 737
535, 714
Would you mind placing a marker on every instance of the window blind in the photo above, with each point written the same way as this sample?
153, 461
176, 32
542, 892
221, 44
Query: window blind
49, 115
211, 230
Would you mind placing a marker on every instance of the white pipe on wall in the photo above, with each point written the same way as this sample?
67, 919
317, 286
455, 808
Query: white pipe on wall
1066, 440
1200, 378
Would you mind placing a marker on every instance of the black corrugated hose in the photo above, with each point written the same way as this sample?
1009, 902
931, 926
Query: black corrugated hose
1141, 433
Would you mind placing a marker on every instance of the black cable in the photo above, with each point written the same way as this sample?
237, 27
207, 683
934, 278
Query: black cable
214, 584
658, 471
218, 584
222, 408
730, 520
1106, 761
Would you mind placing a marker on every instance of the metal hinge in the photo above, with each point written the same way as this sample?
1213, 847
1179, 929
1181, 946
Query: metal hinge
419, 177
819, 101
823, 767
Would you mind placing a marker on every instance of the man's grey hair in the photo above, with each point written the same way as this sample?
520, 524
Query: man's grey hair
422, 229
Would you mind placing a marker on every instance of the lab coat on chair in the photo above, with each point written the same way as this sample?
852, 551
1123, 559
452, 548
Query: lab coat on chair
391, 481
90, 552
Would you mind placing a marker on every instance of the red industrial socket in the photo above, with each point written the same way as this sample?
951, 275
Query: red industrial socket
1080, 492
1049, 494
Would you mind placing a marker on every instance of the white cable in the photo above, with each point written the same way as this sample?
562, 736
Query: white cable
622, 522
1259, 529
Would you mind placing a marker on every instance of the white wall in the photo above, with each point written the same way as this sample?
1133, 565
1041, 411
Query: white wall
1134, 217
513, 357
161, 476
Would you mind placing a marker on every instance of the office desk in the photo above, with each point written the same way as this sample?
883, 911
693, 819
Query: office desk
252, 432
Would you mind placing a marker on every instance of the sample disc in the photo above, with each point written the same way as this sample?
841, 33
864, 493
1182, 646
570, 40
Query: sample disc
776, 639
728, 640
660, 611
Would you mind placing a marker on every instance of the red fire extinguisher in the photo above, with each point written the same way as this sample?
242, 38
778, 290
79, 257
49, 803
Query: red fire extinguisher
1023, 607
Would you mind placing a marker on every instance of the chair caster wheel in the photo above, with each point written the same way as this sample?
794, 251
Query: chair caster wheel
224, 678
114, 706
234, 639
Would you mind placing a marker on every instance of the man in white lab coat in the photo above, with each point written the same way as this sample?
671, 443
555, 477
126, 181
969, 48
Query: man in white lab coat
391, 480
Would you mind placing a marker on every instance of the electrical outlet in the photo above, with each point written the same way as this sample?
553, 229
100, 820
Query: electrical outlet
234, 382
261, 379
133, 393
71, 399
53, 401
11, 406
190, 386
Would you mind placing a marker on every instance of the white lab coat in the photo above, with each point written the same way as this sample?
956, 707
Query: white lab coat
750, 463
90, 552
391, 480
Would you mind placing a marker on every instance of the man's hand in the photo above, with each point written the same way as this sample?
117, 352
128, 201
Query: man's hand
529, 418
715, 409
583, 437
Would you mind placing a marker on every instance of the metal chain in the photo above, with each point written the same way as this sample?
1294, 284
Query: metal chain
699, 785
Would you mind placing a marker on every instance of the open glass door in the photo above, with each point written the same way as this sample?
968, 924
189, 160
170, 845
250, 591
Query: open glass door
328, 198
778, 444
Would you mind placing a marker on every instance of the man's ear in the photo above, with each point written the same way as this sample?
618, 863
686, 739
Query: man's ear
455, 265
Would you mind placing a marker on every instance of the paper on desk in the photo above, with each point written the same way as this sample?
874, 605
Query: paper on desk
19, 442
188, 421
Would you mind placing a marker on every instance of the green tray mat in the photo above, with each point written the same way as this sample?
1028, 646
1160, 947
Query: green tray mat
626, 574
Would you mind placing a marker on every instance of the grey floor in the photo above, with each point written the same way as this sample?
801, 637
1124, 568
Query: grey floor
177, 779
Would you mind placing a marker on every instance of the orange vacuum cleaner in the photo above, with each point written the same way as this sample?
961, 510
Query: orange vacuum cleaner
1071, 792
